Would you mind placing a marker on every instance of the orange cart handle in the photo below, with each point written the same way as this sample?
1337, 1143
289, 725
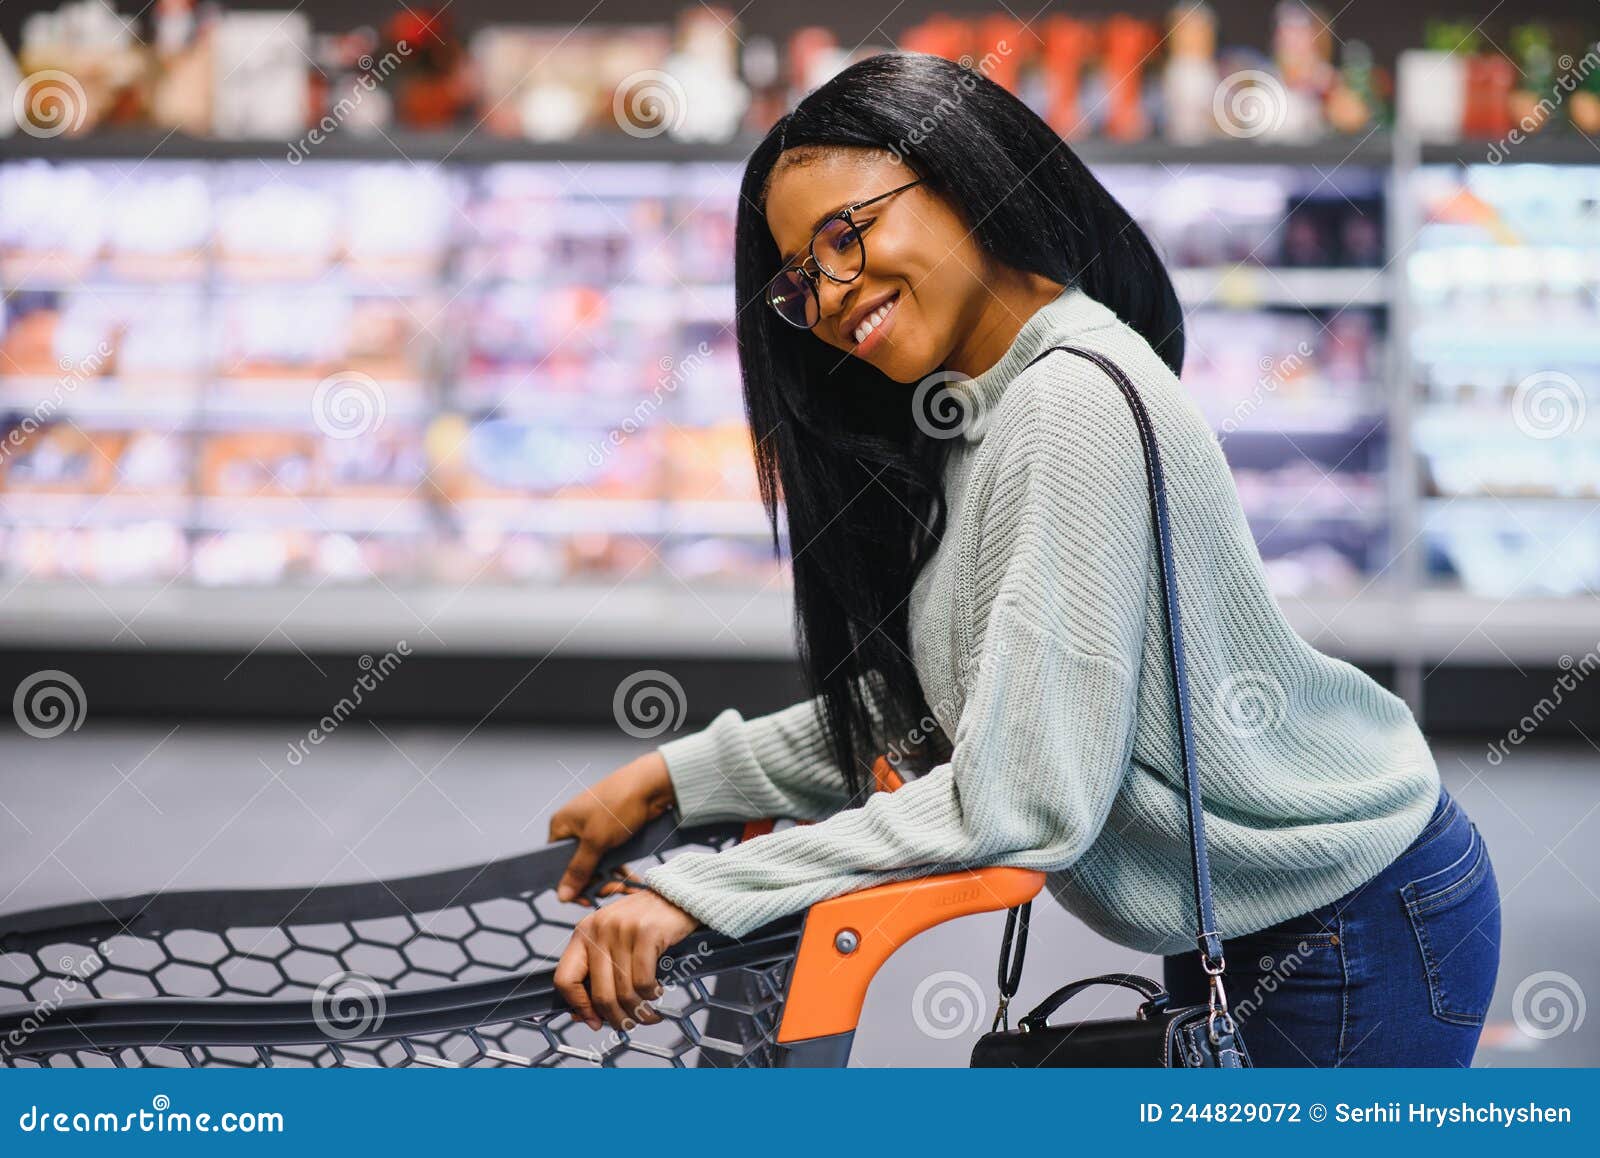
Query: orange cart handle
846, 939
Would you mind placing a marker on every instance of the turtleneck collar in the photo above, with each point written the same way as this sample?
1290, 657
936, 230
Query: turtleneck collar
1055, 323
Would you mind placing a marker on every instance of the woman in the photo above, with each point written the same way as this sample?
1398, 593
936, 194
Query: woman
979, 596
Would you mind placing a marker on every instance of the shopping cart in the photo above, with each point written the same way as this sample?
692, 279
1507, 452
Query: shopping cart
450, 968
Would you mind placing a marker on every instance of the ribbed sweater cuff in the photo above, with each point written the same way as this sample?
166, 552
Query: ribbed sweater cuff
693, 766
704, 905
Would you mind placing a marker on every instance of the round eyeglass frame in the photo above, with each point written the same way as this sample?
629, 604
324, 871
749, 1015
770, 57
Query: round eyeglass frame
809, 277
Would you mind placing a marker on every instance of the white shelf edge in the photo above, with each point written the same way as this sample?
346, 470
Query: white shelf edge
577, 618
730, 619
1249, 286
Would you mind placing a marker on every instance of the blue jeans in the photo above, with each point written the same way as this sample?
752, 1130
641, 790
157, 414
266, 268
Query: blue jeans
1398, 972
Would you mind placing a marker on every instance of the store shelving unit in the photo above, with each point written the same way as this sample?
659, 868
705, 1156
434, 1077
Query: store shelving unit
660, 549
1499, 293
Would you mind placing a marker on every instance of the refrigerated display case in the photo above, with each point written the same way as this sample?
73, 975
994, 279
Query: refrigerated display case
532, 346
1504, 285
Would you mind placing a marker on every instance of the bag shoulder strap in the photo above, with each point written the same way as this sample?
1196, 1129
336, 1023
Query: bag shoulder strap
1206, 937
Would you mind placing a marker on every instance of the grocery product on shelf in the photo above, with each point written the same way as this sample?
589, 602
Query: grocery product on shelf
1302, 51
432, 81
1127, 44
1190, 78
1360, 95
180, 95
1533, 45
260, 79
99, 51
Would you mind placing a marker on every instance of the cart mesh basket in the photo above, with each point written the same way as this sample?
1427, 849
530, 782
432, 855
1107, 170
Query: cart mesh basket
451, 969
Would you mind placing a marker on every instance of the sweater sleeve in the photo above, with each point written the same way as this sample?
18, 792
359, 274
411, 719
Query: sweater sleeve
1045, 729
777, 765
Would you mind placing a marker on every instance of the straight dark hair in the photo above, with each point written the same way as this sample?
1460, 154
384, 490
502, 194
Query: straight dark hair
836, 440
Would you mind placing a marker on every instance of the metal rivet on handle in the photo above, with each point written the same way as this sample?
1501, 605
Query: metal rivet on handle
846, 941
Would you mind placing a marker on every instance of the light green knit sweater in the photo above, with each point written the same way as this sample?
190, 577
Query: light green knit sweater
1037, 632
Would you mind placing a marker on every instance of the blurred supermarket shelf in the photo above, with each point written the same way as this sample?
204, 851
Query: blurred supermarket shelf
1541, 149
483, 147
1250, 286
389, 145
1370, 149
665, 619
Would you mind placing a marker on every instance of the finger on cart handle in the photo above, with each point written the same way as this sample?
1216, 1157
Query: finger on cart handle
587, 871
664, 832
625, 881
579, 871
568, 979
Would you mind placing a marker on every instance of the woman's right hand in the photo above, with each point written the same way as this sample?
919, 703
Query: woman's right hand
605, 814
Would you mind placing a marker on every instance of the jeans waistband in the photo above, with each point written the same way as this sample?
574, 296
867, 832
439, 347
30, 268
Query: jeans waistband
1444, 812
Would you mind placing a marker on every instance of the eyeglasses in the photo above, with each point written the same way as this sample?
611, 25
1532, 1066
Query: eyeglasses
836, 251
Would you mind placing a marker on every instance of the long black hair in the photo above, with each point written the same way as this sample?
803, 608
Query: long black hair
836, 441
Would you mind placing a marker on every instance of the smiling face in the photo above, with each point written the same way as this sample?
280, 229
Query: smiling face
923, 283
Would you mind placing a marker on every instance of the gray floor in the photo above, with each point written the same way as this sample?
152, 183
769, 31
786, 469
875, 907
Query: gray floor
120, 808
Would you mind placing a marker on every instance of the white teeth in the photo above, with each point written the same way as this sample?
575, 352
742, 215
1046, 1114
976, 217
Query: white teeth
873, 319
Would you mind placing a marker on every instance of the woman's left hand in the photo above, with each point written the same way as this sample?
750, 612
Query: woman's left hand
616, 948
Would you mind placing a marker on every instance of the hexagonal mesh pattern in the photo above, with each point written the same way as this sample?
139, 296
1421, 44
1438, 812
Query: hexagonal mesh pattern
715, 1012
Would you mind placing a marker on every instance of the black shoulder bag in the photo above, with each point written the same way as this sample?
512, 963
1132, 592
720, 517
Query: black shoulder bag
1159, 1034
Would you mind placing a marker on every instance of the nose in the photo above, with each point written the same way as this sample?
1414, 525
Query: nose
831, 296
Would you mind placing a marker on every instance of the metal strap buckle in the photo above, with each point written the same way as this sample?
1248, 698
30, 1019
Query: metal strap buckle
1217, 1009
1211, 1024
